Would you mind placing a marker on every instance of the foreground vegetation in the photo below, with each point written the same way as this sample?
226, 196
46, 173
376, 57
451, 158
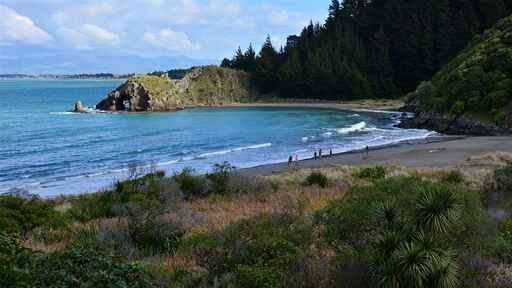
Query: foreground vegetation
335, 227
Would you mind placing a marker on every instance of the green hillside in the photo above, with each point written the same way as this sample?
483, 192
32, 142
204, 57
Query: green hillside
476, 86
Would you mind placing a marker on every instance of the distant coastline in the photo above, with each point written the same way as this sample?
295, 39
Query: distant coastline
98, 76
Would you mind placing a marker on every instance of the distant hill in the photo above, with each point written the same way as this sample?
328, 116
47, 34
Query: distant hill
473, 93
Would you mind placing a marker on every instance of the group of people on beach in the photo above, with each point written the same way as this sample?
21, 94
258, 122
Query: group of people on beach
320, 155
293, 160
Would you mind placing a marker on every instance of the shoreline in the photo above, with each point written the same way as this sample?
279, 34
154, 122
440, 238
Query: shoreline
359, 105
432, 152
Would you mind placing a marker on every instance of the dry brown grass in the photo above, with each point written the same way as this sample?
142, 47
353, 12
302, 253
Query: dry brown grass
214, 213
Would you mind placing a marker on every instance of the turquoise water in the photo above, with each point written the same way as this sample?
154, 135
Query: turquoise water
49, 151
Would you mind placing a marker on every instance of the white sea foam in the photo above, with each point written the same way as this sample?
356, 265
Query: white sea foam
64, 113
375, 111
354, 128
223, 152
354, 115
327, 134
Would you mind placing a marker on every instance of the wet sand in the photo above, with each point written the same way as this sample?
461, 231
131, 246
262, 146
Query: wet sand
382, 105
440, 152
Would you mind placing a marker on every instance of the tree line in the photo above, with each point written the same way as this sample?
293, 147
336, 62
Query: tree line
369, 48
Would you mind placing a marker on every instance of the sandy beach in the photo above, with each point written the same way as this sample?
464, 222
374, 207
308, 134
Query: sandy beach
437, 152
382, 105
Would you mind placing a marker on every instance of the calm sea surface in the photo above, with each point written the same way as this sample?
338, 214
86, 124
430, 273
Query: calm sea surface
49, 151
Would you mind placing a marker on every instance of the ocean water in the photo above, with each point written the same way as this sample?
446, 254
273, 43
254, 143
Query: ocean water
49, 151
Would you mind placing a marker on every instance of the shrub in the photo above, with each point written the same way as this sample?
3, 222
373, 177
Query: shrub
240, 184
76, 266
372, 173
154, 236
20, 215
498, 185
254, 252
317, 178
219, 177
399, 202
150, 189
88, 267
15, 263
453, 176
190, 185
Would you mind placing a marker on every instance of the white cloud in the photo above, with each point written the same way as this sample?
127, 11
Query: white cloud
282, 17
224, 6
88, 36
96, 9
170, 40
100, 34
15, 28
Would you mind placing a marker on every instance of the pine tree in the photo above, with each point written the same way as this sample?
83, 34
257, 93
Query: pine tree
250, 60
442, 29
380, 67
489, 11
226, 63
291, 76
334, 8
370, 47
266, 67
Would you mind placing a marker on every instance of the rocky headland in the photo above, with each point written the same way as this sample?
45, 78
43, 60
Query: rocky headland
204, 86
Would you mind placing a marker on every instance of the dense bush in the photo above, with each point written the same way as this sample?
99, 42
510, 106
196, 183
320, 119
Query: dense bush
191, 185
255, 252
115, 202
20, 215
372, 173
73, 267
240, 184
219, 178
317, 178
15, 263
477, 83
501, 181
404, 223
453, 176
154, 236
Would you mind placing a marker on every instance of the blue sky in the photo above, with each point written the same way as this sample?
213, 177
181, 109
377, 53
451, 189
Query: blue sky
119, 36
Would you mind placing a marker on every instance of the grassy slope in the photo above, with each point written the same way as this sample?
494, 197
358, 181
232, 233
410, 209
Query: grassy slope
477, 83
203, 86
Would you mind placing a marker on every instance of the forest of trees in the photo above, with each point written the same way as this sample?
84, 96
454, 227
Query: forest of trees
369, 48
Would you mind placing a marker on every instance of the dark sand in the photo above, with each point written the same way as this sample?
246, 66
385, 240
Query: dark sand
440, 152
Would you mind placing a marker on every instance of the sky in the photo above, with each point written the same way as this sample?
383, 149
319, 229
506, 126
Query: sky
125, 36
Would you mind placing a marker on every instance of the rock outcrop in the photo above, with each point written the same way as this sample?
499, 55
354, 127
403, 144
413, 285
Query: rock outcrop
472, 94
79, 108
204, 86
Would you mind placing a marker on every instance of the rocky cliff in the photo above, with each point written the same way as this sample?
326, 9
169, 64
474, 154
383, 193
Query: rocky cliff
204, 86
472, 94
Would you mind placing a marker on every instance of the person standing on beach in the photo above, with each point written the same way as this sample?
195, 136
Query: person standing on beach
330, 152
290, 160
296, 159
320, 153
367, 151
315, 156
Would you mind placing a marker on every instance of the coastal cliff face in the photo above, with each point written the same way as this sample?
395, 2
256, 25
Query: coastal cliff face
208, 86
471, 95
